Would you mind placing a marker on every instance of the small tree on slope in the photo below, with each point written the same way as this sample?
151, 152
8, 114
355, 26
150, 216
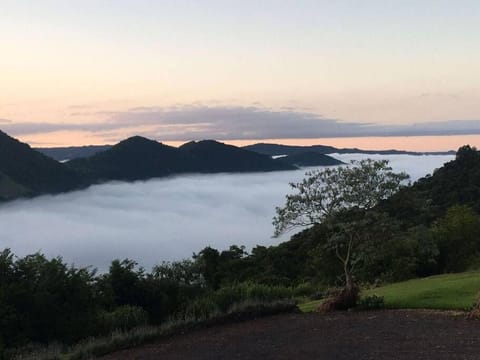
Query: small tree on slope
338, 197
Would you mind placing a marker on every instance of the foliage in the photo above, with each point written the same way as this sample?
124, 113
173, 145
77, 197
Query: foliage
99, 346
327, 192
123, 318
371, 302
44, 300
340, 197
456, 235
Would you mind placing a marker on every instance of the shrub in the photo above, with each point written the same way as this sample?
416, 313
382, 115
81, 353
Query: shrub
305, 289
123, 318
227, 296
200, 309
371, 302
344, 300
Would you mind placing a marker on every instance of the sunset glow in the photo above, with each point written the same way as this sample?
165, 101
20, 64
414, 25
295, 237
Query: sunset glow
390, 63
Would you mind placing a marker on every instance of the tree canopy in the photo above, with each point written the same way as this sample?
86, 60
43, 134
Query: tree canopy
327, 192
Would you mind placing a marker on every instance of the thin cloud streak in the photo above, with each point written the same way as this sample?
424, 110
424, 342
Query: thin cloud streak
190, 122
161, 219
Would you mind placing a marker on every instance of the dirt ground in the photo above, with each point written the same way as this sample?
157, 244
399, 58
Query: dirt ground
337, 336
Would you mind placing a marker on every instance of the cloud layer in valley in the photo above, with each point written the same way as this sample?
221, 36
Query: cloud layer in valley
227, 123
161, 219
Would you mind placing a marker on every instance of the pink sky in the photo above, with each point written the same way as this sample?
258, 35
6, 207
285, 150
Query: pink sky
380, 62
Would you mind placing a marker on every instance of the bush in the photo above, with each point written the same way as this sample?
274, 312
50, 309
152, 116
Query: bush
305, 290
122, 318
344, 300
371, 302
227, 296
200, 309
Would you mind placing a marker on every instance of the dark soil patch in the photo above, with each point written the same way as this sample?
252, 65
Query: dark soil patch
336, 336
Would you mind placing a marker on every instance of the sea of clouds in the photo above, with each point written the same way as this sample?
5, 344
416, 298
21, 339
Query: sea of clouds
162, 219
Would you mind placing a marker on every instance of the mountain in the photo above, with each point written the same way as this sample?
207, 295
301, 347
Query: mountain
310, 158
278, 149
26, 172
456, 183
72, 152
75, 152
214, 156
135, 158
138, 158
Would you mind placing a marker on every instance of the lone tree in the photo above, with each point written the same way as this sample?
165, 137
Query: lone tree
339, 197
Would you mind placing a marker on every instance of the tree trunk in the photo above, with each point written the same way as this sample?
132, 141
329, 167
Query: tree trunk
349, 284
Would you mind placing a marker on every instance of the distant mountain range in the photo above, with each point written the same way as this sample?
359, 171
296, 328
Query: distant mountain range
138, 158
25, 172
310, 158
277, 149
74, 152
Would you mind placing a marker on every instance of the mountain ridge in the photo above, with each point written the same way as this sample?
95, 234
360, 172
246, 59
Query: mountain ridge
74, 152
279, 149
25, 172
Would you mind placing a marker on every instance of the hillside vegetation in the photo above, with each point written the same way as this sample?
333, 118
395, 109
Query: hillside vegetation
26, 172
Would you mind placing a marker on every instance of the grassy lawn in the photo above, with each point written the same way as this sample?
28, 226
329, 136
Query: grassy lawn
446, 292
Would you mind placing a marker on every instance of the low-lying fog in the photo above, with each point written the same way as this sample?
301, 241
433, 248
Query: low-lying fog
163, 219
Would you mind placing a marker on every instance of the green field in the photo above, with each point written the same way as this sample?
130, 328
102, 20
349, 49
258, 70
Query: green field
445, 292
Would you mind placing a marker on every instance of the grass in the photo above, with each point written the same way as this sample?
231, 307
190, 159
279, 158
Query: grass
442, 292
309, 306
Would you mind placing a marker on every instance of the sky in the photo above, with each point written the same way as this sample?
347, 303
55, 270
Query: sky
97, 71
163, 219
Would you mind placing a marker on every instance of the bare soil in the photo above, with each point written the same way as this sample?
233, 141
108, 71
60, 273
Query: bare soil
335, 336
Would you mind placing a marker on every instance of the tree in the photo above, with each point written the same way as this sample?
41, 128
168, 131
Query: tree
339, 197
456, 235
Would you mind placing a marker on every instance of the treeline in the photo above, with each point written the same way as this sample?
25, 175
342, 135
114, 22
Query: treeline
46, 301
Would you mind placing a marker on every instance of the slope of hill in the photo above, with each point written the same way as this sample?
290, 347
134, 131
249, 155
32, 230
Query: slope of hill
455, 183
310, 158
72, 152
26, 172
138, 158
213, 156
135, 158
277, 149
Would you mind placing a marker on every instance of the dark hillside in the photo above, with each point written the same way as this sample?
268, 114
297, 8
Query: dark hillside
26, 172
135, 158
456, 183
277, 149
214, 156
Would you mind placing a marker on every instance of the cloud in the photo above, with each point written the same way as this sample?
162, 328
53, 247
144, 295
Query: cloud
161, 219
195, 122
